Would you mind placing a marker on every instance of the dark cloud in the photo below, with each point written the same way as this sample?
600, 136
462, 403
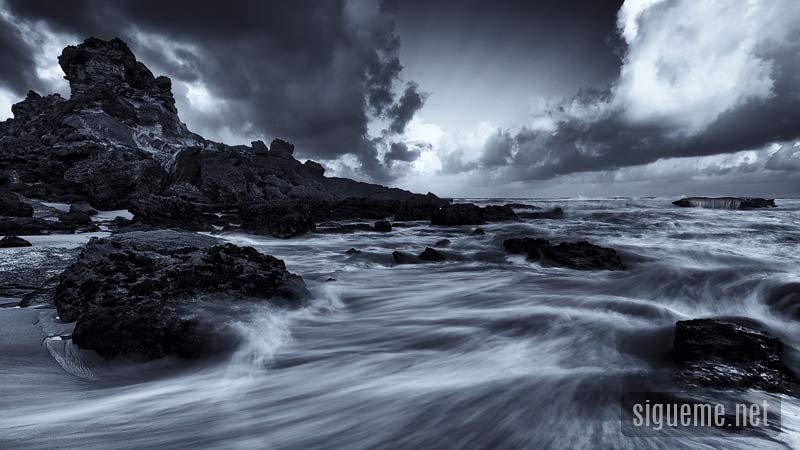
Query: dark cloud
399, 151
17, 68
311, 72
402, 113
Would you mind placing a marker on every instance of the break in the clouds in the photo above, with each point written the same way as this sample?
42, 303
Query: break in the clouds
696, 79
512, 98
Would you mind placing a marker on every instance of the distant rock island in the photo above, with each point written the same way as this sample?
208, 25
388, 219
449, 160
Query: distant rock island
725, 202
118, 143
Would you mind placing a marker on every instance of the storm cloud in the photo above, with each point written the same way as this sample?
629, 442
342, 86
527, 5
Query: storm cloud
315, 73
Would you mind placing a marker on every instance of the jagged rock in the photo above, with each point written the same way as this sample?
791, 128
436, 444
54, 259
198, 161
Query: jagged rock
725, 202
11, 205
352, 251
170, 212
279, 219
419, 208
382, 226
281, 149
13, 241
405, 258
430, 254
555, 213
574, 255
442, 243
260, 148
313, 168
731, 353
471, 214
478, 232
161, 293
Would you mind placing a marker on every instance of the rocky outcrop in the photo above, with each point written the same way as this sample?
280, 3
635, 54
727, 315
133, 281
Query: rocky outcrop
574, 255
725, 202
118, 143
12, 205
731, 353
420, 207
161, 293
430, 254
405, 258
13, 241
471, 214
383, 226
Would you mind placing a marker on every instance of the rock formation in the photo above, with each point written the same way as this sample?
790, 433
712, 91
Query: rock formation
574, 255
725, 202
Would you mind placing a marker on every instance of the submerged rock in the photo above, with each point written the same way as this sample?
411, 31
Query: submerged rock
731, 353
405, 258
574, 255
167, 293
478, 232
382, 226
442, 243
13, 241
352, 251
725, 202
430, 254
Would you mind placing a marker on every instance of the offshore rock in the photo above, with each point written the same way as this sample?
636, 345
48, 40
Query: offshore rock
471, 214
725, 202
574, 255
13, 241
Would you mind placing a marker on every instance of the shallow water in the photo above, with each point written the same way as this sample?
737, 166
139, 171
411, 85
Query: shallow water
487, 351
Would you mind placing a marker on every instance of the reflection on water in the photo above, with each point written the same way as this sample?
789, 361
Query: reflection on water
487, 351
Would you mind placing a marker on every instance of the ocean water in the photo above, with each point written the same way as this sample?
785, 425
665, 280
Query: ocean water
486, 350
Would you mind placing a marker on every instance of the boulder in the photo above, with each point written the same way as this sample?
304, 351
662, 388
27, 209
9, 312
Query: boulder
731, 353
13, 241
167, 293
313, 168
11, 205
431, 255
574, 255
478, 232
382, 226
281, 149
352, 251
405, 258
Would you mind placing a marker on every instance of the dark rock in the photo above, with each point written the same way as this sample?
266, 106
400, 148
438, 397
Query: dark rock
83, 208
75, 217
34, 226
281, 149
494, 213
725, 202
521, 206
442, 243
478, 232
731, 354
13, 241
420, 207
382, 226
458, 214
431, 255
260, 148
279, 219
313, 168
352, 251
170, 212
405, 258
525, 245
11, 205
162, 293
555, 213
348, 228
574, 255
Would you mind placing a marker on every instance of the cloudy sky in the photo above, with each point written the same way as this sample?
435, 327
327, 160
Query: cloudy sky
467, 98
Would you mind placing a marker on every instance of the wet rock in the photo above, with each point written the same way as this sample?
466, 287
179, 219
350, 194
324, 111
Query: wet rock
555, 213
279, 219
420, 207
478, 232
170, 212
34, 226
725, 202
13, 241
442, 243
84, 208
382, 226
11, 205
352, 251
471, 214
521, 206
731, 353
431, 255
167, 293
574, 255
405, 258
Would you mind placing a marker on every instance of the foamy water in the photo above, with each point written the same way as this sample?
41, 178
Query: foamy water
486, 351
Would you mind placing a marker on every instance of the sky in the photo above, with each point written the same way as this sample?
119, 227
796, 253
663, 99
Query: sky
468, 98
